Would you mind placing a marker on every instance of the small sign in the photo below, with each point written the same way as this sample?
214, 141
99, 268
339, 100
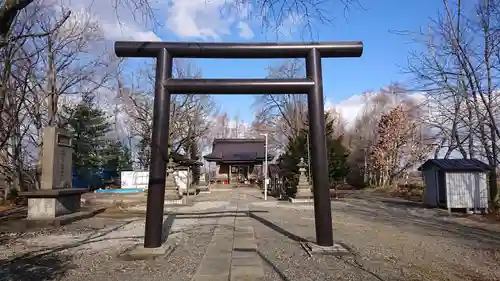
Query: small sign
63, 140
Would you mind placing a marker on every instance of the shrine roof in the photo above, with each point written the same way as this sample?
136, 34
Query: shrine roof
238, 150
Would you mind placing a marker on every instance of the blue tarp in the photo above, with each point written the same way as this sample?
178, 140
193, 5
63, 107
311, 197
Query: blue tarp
94, 178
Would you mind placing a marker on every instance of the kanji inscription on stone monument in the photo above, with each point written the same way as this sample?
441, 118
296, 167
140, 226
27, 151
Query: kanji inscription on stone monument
57, 159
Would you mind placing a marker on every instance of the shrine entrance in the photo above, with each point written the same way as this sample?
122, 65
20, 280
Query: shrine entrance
238, 161
165, 85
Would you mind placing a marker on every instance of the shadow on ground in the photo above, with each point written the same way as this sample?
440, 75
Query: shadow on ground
282, 276
413, 217
259, 218
403, 203
50, 263
38, 267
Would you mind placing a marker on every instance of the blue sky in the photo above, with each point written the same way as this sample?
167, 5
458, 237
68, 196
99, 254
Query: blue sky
383, 61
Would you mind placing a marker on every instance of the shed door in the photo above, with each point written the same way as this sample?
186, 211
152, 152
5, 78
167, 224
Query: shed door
441, 180
431, 188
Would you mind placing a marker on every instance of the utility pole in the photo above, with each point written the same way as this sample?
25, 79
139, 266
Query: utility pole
265, 170
309, 160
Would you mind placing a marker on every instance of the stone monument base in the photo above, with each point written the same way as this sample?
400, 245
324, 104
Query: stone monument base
335, 250
221, 187
82, 214
138, 252
49, 204
301, 200
203, 189
191, 191
303, 195
175, 201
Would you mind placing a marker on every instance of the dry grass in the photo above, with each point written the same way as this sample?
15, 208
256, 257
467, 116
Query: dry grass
410, 192
6, 206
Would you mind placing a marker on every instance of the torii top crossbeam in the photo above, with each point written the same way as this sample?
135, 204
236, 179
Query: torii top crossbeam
238, 50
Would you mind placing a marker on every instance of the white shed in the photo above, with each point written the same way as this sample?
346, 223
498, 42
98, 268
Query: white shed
456, 183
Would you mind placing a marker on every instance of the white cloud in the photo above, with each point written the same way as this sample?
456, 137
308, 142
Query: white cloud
209, 19
127, 32
348, 109
187, 19
286, 28
352, 107
291, 23
199, 19
245, 30
116, 23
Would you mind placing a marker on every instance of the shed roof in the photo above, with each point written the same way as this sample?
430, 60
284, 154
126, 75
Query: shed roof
472, 165
238, 150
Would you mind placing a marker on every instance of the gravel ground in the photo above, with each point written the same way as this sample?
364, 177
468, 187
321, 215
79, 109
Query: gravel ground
390, 241
89, 249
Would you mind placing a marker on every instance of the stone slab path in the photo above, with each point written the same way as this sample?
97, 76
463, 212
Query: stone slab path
232, 253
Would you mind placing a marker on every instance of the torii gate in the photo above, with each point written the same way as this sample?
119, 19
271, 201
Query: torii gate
165, 85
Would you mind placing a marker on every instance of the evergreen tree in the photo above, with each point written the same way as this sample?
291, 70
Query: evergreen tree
338, 167
144, 153
116, 157
297, 148
88, 125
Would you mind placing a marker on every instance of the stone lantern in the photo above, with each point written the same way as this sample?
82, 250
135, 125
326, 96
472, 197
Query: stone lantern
303, 187
171, 192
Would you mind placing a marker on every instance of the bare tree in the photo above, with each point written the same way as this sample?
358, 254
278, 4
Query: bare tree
400, 146
190, 115
38, 71
459, 72
19, 63
13, 84
275, 15
362, 137
70, 62
9, 11
282, 116
338, 123
221, 127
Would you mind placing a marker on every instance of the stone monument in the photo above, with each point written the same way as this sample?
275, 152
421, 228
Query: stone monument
191, 187
304, 193
57, 158
203, 179
55, 197
172, 194
202, 184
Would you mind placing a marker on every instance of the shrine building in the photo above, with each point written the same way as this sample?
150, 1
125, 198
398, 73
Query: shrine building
236, 159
